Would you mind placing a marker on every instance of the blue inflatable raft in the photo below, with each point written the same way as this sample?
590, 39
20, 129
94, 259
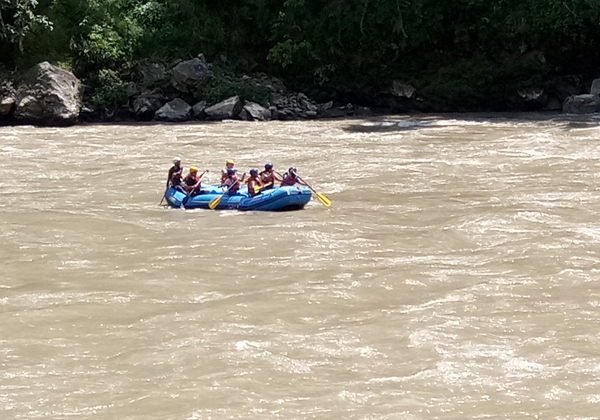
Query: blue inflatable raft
274, 199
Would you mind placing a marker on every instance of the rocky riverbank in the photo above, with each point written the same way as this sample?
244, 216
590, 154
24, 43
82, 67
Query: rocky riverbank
48, 95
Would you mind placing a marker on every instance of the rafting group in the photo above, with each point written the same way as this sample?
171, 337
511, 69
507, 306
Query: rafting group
257, 192
257, 181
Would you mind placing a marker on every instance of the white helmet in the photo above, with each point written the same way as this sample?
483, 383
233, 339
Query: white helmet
176, 159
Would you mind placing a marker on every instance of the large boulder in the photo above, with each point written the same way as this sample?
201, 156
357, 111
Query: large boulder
145, 106
581, 104
339, 111
151, 73
595, 89
49, 95
257, 112
175, 111
533, 98
198, 110
7, 104
226, 109
8, 98
244, 116
531, 95
186, 75
402, 90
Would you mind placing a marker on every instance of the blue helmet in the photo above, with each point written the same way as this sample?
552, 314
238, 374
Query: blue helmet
253, 172
292, 169
230, 171
269, 166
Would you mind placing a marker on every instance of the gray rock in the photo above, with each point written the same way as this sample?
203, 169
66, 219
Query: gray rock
30, 107
275, 85
145, 106
279, 101
326, 105
151, 73
533, 94
275, 114
306, 103
198, 110
186, 75
175, 111
131, 89
363, 111
337, 112
7, 104
257, 111
402, 90
226, 109
581, 104
244, 115
50, 95
595, 90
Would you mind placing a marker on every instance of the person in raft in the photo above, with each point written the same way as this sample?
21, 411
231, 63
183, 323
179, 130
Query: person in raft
253, 183
268, 177
228, 165
191, 182
290, 178
175, 173
232, 182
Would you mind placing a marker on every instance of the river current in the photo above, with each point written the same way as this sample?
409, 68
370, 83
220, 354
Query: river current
455, 276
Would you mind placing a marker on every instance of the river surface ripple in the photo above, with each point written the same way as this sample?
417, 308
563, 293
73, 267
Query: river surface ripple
455, 276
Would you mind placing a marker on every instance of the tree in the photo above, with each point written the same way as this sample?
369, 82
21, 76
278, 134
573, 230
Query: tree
17, 21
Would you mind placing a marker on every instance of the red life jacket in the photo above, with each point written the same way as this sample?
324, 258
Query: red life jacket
191, 180
267, 177
232, 184
288, 180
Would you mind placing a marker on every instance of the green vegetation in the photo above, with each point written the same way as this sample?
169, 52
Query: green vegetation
460, 54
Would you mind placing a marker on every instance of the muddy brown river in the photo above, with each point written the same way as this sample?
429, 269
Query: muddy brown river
455, 276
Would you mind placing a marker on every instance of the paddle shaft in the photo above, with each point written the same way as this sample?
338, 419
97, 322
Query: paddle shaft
216, 201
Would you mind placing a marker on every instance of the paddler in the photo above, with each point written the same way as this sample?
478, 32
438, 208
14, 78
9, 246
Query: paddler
232, 182
253, 183
228, 165
268, 177
290, 178
191, 182
175, 173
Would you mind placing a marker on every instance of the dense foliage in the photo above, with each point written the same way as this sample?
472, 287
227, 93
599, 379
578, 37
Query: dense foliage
458, 53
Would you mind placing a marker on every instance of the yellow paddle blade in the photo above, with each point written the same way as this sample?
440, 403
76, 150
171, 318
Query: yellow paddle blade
323, 199
257, 188
214, 202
